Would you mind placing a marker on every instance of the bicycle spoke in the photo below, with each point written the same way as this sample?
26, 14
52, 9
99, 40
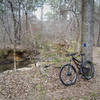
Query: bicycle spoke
88, 70
68, 75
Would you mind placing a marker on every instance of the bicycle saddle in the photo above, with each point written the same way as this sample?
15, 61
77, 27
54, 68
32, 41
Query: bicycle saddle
72, 54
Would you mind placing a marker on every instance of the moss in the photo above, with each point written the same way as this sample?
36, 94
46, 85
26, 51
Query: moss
93, 94
3, 53
22, 50
52, 55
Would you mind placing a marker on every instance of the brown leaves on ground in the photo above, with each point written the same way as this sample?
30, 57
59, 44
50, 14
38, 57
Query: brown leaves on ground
39, 83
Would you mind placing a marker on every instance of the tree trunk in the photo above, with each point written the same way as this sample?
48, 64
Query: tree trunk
15, 33
98, 41
42, 17
87, 37
19, 22
63, 13
60, 9
26, 21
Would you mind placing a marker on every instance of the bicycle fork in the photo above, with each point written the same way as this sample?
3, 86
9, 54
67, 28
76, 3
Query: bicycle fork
69, 72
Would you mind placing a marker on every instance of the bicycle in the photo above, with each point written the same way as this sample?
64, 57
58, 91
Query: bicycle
69, 76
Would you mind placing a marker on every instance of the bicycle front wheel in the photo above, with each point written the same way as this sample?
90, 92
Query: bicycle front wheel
88, 70
68, 75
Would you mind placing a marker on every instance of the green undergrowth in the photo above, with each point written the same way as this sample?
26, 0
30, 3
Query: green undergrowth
55, 52
3, 53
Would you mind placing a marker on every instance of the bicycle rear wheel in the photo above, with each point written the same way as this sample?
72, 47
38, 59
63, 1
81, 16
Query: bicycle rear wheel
88, 70
68, 75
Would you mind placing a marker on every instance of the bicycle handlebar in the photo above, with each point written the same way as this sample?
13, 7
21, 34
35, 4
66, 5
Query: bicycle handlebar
73, 54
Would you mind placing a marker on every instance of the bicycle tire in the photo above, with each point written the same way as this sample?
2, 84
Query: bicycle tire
60, 75
86, 71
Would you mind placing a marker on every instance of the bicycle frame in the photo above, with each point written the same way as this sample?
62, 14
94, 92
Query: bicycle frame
72, 71
77, 62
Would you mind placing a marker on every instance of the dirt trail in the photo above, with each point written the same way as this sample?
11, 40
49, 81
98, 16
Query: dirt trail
33, 84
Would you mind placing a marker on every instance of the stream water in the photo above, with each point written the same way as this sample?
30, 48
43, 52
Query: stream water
9, 65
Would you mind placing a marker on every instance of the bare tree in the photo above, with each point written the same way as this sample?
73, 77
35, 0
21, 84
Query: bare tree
15, 33
19, 7
98, 40
87, 28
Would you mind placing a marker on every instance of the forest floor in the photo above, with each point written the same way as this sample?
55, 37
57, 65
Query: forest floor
38, 83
